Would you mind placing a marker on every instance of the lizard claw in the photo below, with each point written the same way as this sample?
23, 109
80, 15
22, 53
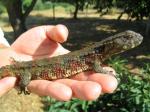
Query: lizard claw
24, 90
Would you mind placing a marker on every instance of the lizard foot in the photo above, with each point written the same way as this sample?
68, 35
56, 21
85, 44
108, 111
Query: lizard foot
111, 72
25, 77
23, 90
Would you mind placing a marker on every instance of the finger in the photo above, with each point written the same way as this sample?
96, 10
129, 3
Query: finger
37, 41
108, 82
53, 89
6, 84
58, 33
84, 75
85, 90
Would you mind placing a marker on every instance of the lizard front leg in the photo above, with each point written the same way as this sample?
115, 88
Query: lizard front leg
25, 78
99, 69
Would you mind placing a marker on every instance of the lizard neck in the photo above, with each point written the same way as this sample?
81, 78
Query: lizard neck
105, 50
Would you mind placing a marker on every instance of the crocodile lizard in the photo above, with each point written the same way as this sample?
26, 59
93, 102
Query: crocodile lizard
67, 65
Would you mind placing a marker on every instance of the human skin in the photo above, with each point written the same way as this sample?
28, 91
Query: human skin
45, 41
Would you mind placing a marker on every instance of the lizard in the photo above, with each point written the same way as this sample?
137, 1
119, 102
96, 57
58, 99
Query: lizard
67, 65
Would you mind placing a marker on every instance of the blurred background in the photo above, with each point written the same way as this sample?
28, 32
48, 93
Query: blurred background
88, 21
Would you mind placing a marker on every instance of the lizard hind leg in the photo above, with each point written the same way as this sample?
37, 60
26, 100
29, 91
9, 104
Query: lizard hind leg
25, 78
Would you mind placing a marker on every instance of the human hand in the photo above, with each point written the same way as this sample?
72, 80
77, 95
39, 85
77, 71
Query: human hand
37, 43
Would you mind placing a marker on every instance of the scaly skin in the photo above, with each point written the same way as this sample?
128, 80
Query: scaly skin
63, 66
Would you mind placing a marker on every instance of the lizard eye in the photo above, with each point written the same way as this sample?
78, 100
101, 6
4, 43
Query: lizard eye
97, 51
125, 47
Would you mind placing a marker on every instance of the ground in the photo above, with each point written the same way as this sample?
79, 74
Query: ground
87, 29
12, 102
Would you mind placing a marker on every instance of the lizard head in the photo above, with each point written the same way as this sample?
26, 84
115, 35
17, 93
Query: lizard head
128, 40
